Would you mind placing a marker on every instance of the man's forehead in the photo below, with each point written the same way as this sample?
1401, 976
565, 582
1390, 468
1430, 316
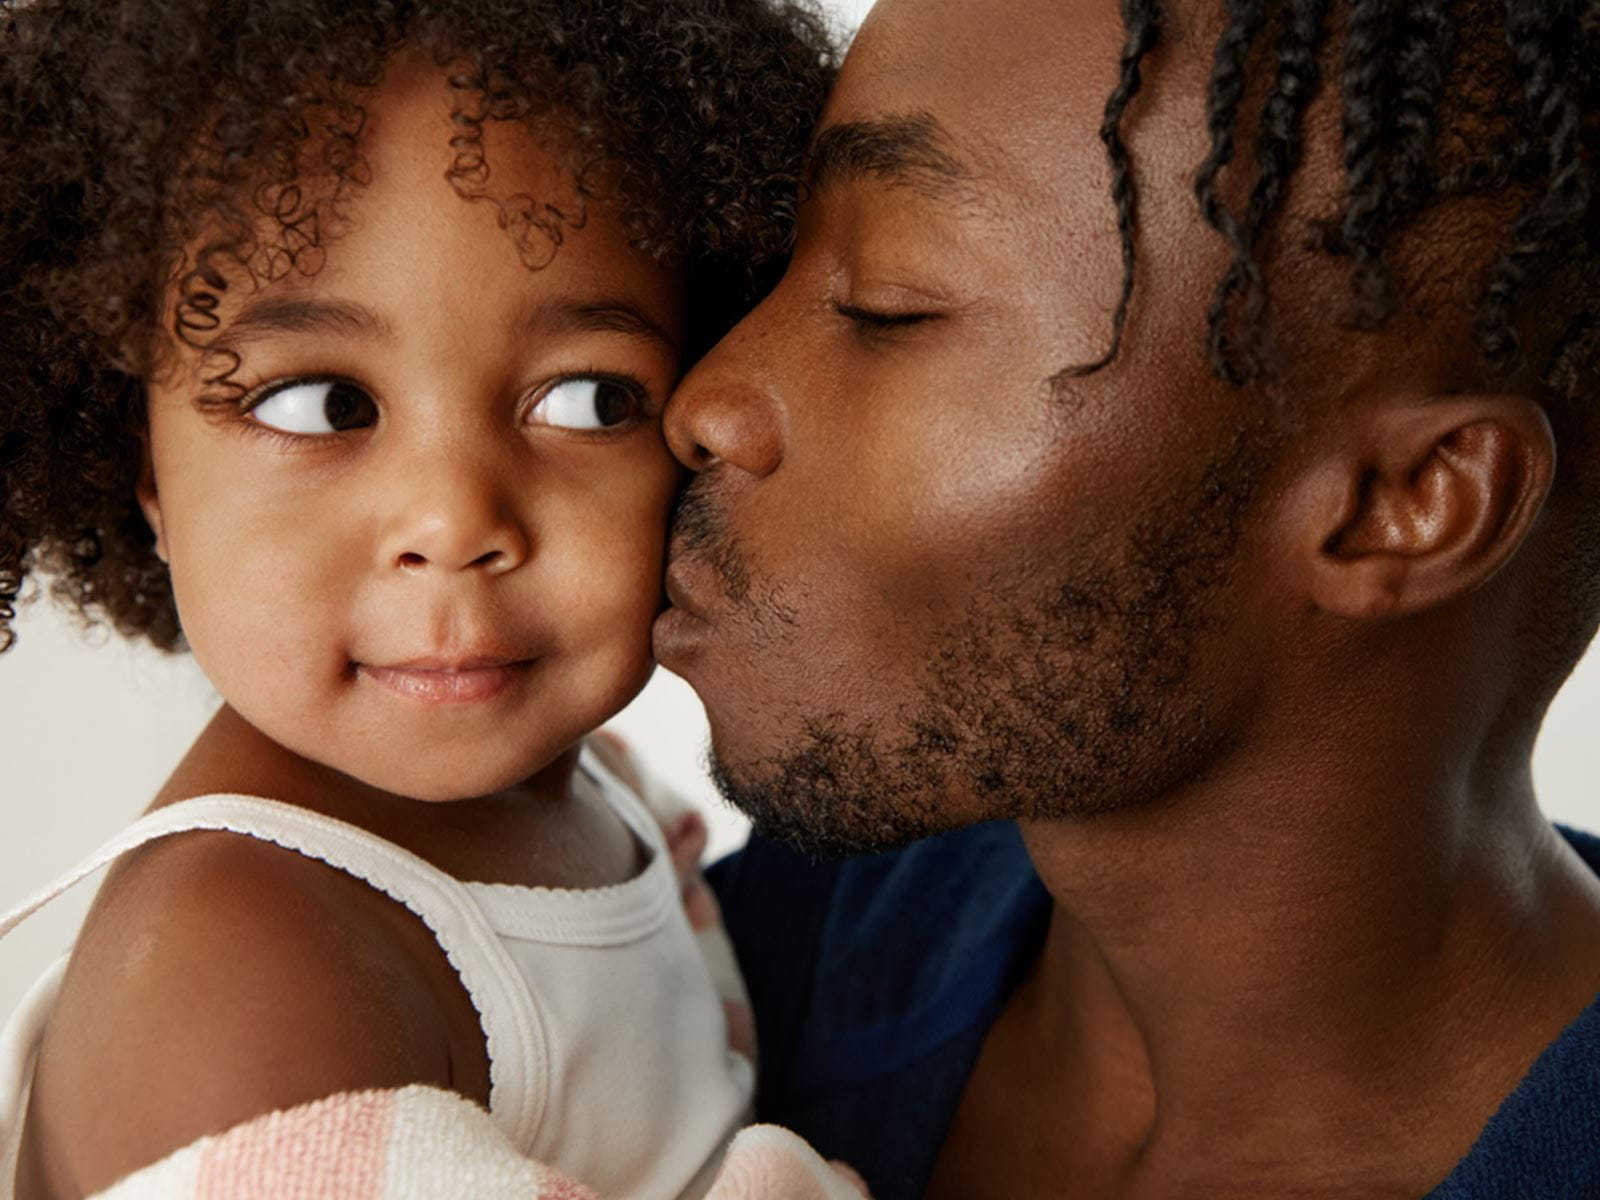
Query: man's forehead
945, 93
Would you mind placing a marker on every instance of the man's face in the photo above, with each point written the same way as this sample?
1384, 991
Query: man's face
924, 579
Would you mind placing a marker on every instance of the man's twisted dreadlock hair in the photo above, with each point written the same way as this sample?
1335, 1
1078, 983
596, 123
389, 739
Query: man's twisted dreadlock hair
1470, 135
1443, 101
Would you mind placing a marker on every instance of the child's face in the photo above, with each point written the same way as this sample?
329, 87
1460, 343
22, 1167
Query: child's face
430, 554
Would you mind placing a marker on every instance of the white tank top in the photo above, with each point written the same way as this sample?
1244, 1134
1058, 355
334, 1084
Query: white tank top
608, 1047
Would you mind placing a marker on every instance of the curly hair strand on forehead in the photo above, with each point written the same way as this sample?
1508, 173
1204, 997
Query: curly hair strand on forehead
130, 131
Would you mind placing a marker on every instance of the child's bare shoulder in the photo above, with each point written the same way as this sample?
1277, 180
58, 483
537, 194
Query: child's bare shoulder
217, 978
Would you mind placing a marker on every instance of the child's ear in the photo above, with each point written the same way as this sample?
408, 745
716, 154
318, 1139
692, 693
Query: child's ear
1431, 500
149, 498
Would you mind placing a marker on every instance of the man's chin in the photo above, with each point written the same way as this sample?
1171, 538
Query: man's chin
802, 804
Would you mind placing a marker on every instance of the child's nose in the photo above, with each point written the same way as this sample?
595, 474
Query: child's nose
452, 515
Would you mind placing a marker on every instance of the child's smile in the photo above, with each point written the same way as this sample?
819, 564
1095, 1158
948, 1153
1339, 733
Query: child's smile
446, 679
424, 548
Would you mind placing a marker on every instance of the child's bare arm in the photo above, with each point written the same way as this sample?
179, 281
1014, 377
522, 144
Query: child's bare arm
218, 979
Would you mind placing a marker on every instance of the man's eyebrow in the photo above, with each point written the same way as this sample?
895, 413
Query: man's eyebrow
913, 151
267, 315
598, 315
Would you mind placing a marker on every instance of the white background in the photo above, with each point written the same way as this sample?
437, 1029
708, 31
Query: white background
89, 727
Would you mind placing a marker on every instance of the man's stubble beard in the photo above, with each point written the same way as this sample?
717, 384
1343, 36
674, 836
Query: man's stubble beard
1051, 699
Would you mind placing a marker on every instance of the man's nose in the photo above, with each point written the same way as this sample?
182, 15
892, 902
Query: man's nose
451, 511
729, 409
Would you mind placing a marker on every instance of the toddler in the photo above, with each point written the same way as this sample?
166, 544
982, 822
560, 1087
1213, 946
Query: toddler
333, 343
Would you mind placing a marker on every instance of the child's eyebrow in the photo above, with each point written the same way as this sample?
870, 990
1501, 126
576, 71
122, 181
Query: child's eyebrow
264, 316
267, 315
598, 315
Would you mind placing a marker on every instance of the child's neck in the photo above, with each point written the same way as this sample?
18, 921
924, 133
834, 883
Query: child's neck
540, 832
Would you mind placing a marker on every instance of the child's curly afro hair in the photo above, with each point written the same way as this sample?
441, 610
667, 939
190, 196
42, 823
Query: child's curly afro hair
130, 129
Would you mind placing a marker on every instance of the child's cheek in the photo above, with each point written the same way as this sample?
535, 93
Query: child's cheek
621, 550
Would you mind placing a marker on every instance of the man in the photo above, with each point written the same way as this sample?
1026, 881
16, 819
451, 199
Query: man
1179, 508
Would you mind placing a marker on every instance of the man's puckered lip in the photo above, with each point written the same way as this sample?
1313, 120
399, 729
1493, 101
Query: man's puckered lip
685, 586
681, 630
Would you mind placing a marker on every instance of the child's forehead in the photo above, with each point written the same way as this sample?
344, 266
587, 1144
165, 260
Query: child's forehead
425, 185
417, 131
417, 121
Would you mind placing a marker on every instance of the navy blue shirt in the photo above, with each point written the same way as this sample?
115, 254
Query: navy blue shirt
875, 980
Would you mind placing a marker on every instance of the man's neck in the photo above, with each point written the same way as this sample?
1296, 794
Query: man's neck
1318, 987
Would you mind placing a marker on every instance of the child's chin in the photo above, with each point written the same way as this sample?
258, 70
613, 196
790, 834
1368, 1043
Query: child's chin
446, 783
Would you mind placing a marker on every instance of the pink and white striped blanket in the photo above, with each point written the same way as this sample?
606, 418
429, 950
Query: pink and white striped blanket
423, 1143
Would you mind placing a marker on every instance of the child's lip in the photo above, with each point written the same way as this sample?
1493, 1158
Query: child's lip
452, 663
437, 679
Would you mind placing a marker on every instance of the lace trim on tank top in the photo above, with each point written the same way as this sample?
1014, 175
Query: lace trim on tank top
466, 919
614, 915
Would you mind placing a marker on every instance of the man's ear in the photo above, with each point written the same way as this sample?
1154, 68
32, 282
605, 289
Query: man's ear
1427, 501
149, 498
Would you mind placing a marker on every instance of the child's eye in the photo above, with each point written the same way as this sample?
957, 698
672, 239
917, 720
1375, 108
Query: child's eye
587, 402
314, 406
